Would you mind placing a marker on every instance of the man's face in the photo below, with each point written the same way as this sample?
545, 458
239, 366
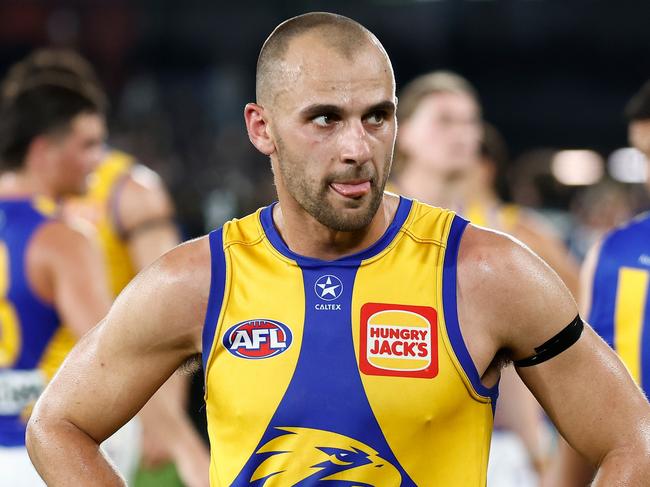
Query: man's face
443, 133
639, 135
333, 124
75, 153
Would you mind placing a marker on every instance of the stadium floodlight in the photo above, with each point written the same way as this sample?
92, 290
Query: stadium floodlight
577, 167
628, 165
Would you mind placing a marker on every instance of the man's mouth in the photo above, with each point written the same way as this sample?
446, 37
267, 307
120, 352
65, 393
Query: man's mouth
352, 189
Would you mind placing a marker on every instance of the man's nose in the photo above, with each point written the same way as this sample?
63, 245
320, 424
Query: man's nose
355, 146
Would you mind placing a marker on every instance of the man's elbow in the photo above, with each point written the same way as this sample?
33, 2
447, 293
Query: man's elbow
630, 463
36, 436
45, 431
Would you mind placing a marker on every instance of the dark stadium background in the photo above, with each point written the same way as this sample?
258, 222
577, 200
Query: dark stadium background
550, 73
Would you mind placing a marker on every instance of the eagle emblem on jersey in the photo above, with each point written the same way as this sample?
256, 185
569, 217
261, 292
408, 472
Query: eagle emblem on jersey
306, 456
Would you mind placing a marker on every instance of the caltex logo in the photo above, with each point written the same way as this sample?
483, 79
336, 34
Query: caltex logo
328, 287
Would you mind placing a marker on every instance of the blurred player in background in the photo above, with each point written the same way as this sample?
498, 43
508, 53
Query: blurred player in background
129, 212
614, 289
51, 136
447, 156
334, 263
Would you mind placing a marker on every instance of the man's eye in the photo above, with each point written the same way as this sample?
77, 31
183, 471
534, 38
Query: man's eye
376, 118
323, 120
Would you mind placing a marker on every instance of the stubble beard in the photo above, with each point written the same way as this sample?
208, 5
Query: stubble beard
312, 195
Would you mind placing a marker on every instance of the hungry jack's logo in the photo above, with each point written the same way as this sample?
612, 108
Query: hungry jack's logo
398, 340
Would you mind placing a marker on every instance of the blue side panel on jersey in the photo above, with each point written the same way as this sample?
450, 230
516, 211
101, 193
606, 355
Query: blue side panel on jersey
217, 288
626, 246
450, 307
645, 348
325, 395
38, 320
603, 292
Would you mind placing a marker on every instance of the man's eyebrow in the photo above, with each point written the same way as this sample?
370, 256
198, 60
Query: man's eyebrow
319, 109
383, 106
324, 108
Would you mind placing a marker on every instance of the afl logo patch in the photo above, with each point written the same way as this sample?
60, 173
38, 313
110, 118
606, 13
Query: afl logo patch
257, 339
398, 340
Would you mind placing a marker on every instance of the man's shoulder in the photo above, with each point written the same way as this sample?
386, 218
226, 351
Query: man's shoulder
487, 246
57, 238
186, 261
627, 241
508, 293
142, 197
499, 270
635, 228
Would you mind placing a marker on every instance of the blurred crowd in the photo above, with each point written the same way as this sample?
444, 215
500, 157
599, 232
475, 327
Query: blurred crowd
176, 103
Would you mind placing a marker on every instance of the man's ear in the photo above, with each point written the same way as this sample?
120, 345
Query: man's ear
258, 129
38, 150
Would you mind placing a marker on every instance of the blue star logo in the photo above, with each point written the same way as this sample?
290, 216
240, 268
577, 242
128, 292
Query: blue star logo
328, 287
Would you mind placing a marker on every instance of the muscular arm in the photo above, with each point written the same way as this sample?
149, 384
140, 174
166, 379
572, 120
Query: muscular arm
66, 269
569, 468
511, 302
153, 327
519, 411
145, 214
517, 408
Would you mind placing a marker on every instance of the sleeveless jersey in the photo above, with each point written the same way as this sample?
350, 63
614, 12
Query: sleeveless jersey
620, 309
29, 327
349, 372
98, 207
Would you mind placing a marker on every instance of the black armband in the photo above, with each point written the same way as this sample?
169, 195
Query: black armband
152, 223
556, 345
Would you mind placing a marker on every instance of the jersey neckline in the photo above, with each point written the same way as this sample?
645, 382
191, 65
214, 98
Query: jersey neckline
272, 234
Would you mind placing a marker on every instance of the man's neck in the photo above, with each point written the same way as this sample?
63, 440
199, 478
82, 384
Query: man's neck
306, 236
432, 187
16, 184
454, 191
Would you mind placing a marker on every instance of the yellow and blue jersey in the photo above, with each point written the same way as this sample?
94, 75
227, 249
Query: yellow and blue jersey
28, 326
349, 372
620, 309
99, 208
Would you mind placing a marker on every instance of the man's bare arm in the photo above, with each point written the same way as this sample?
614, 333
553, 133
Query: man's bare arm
145, 214
66, 269
513, 302
153, 327
569, 468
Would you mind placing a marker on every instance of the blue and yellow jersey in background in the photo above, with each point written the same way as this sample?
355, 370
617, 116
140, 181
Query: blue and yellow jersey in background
99, 207
620, 309
29, 327
351, 371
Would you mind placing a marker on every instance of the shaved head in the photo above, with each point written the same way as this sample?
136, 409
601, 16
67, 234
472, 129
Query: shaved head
325, 115
342, 35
